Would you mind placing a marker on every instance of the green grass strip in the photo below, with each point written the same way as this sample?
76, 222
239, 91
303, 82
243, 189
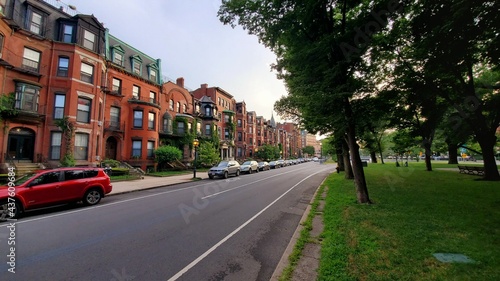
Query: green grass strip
303, 239
415, 214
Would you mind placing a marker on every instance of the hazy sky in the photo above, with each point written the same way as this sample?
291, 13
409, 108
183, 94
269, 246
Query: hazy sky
192, 43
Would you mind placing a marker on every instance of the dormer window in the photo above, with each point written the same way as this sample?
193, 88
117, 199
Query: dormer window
35, 21
137, 65
207, 111
68, 32
152, 74
88, 40
117, 55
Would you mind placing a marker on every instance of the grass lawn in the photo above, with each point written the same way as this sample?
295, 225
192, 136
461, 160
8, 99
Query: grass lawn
176, 173
415, 214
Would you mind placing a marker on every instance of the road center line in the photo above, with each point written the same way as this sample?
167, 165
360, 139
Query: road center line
214, 247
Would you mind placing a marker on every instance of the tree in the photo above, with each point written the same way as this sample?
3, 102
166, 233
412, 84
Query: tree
308, 150
317, 60
208, 154
166, 154
449, 46
268, 152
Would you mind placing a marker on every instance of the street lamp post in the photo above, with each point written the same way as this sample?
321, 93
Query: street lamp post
321, 152
195, 145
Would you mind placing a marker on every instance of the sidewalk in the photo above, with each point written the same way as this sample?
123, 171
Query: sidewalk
149, 182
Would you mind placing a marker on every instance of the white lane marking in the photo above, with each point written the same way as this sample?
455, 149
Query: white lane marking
214, 247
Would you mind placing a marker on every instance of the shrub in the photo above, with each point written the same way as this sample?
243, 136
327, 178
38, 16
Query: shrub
167, 153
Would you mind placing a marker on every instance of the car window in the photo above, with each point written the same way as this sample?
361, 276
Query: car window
222, 164
91, 173
24, 178
73, 175
247, 163
47, 178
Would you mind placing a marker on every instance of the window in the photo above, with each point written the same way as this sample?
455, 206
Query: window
207, 130
226, 133
198, 128
240, 154
167, 123
197, 108
136, 91
1, 42
138, 118
59, 103
207, 111
152, 97
152, 74
63, 66
81, 146
239, 122
83, 110
184, 108
31, 60
67, 33
178, 107
137, 65
114, 117
171, 104
118, 57
87, 73
55, 145
151, 120
240, 138
136, 148
27, 97
35, 23
226, 118
117, 85
88, 40
180, 128
151, 148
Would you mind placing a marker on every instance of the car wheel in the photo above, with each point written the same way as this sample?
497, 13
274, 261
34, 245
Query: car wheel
6, 213
257, 170
226, 174
237, 173
250, 170
211, 177
92, 197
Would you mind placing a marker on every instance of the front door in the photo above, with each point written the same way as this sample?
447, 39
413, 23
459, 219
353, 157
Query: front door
21, 144
111, 145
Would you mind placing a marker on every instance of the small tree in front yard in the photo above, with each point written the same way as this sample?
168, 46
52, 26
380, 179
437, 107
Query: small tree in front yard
166, 154
208, 154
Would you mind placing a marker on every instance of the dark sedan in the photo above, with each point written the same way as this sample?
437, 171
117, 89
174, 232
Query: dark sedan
263, 166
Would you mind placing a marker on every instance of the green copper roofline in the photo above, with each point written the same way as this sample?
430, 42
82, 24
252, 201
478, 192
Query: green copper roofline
107, 36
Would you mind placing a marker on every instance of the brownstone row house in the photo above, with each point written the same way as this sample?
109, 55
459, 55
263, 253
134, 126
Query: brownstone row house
77, 89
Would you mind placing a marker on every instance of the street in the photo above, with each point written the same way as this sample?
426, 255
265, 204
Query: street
234, 229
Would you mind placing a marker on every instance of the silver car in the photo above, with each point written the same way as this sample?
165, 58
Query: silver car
250, 167
224, 169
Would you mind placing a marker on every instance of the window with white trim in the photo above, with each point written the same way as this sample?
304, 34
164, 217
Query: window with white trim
114, 117
87, 73
136, 148
27, 97
81, 146
59, 103
117, 85
138, 118
83, 110
31, 59
88, 40
151, 120
55, 145
136, 91
151, 148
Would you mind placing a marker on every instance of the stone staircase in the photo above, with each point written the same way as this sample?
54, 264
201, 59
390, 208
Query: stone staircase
23, 168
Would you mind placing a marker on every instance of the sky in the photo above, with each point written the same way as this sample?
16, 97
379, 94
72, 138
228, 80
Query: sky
192, 43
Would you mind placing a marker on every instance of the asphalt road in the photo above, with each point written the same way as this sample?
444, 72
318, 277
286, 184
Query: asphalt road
234, 229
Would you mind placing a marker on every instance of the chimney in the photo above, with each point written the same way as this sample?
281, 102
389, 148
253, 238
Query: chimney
180, 82
204, 86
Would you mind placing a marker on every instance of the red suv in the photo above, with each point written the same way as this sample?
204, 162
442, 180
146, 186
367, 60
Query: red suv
51, 187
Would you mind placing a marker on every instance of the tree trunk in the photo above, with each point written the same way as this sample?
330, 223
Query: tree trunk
347, 161
487, 144
373, 156
452, 153
427, 147
379, 145
340, 157
357, 166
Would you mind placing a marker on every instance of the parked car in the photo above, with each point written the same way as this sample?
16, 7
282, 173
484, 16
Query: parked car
281, 162
46, 188
264, 166
315, 159
224, 169
274, 165
249, 167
